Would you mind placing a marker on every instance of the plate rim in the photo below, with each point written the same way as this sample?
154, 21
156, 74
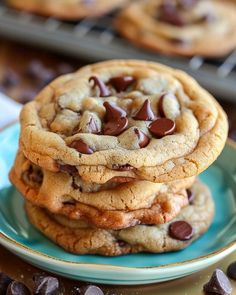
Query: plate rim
226, 250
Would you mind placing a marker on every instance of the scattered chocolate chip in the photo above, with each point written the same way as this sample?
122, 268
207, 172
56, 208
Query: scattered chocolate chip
104, 91
5, 281
190, 196
116, 127
113, 112
10, 79
121, 83
231, 270
64, 68
91, 290
69, 169
218, 284
145, 113
181, 230
162, 127
121, 243
169, 13
45, 285
125, 167
81, 147
142, 137
17, 288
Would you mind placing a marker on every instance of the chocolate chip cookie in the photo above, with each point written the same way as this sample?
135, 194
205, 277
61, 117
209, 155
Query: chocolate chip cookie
67, 9
124, 119
112, 205
80, 238
180, 27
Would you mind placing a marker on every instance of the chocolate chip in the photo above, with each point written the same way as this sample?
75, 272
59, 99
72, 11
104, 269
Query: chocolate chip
113, 112
114, 128
125, 167
162, 127
145, 113
5, 281
10, 79
81, 147
45, 285
121, 243
231, 270
181, 230
17, 288
190, 196
218, 284
91, 290
104, 91
142, 137
69, 169
121, 83
169, 13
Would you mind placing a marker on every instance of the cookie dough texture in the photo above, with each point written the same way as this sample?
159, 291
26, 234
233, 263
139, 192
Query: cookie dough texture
207, 24
49, 122
111, 205
78, 237
67, 9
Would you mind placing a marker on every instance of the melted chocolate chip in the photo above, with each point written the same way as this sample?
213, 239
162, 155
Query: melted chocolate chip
180, 230
190, 196
162, 127
45, 285
91, 290
125, 167
170, 14
121, 83
145, 113
69, 169
115, 127
5, 281
113, 112
142, 137
121, 243
218, 284
17, 288
104, 91
231, 271
81, 147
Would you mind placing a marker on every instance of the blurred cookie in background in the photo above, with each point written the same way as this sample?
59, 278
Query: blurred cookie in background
180, 27
67, 9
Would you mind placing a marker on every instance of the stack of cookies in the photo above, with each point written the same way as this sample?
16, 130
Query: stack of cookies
108, 158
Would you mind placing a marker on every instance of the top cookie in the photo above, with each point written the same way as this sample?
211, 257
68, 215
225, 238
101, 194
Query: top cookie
67, 9
124, 119
181, 27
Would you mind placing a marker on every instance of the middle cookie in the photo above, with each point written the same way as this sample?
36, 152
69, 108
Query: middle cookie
112, 205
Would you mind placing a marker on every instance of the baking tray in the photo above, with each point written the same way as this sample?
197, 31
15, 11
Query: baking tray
95, 39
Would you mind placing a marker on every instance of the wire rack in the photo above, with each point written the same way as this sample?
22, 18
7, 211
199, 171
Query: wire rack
95, 39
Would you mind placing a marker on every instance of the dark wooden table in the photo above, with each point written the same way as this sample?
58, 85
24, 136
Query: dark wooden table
17, 58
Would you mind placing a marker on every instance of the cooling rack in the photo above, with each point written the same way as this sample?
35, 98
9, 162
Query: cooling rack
95, 39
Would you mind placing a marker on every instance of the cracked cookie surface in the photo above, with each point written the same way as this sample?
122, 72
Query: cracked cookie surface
112, 205
180, 27
67, 9
78, 237
125, 119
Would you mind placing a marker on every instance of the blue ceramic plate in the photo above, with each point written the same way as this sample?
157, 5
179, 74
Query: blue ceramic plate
19, 236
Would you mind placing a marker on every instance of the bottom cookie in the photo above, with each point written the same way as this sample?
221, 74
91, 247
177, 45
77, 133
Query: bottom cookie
78, 237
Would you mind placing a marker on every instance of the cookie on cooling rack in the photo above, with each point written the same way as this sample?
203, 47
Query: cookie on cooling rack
67, 9
124, 119
78, 237
180, 27
112, 205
